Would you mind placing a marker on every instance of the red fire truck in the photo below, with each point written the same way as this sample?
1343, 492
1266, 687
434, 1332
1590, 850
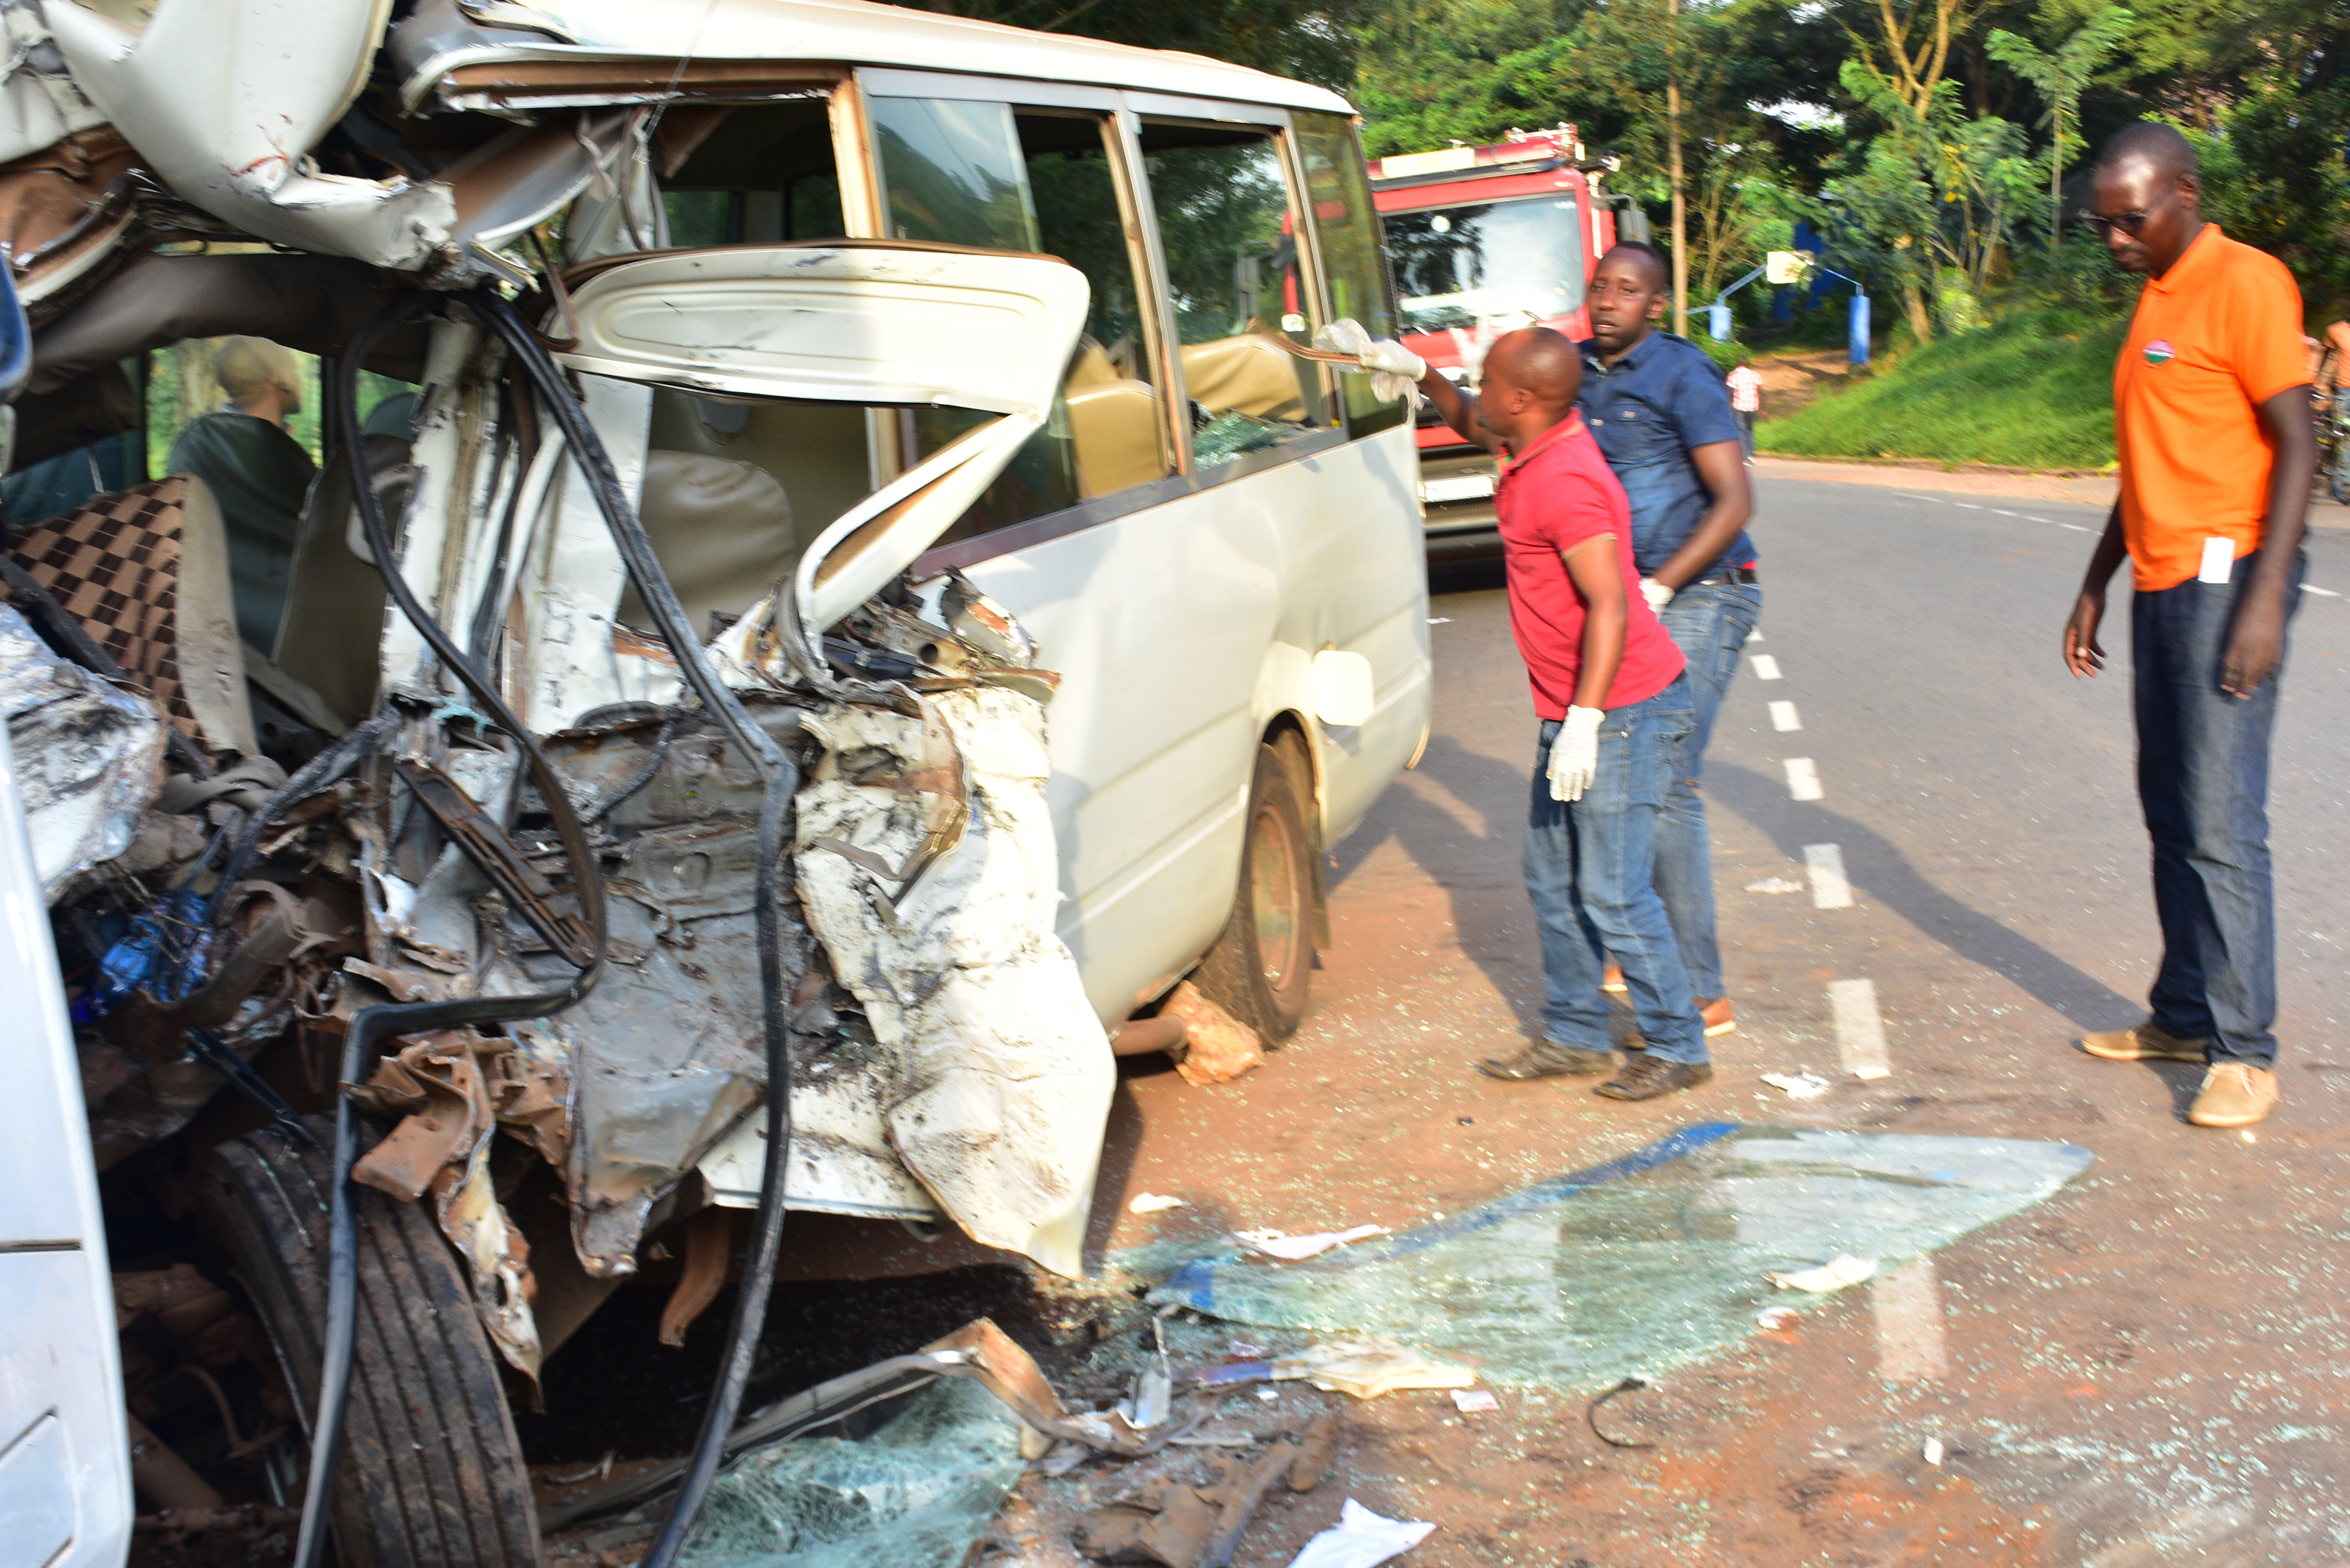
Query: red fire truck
1483, 240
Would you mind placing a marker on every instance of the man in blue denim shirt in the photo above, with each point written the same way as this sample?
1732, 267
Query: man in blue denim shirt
1657, 408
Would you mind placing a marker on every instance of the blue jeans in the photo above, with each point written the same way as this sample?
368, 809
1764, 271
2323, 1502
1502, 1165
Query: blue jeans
2203, 779
1710, 623
1588, 871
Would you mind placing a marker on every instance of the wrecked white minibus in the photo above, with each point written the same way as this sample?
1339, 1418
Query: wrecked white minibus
862, 595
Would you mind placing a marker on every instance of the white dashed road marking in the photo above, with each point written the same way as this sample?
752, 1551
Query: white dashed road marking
1830, 887
1804, 779
1860, 1034
2321, 593
2077, 528
1970, 505
1785, 717
1765, 667
1911, 1346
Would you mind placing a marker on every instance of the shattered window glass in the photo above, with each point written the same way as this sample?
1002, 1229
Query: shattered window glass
1229, 228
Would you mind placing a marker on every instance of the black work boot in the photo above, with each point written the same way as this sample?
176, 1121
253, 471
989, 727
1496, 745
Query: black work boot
1647, 1077
1548, 1059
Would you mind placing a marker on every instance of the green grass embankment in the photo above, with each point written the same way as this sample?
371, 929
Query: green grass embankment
2033, 390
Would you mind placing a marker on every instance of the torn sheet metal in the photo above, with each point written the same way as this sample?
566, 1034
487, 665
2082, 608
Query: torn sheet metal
225, 98
667, 1052
1000, 1075
454, 1086
90, 758
39, 104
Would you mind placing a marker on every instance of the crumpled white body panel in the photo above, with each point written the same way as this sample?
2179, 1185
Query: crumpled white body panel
89, 759
223, 98
1002, 1077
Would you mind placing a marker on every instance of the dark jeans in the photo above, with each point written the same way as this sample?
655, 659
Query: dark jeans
1710, 623
1746, 429
1588, 870
2203, 779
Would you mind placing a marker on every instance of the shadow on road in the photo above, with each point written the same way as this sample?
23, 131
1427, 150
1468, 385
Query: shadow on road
1880, 868
1477, 871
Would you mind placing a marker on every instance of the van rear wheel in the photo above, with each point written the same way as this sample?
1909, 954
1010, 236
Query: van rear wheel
1260, 970
431, 1473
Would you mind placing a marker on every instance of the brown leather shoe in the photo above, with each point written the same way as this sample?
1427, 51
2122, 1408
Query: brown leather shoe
2143, 1042
1647, 1077
1719, 1018
1548, 1059
2235, 1094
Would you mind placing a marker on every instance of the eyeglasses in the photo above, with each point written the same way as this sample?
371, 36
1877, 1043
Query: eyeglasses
2130, 223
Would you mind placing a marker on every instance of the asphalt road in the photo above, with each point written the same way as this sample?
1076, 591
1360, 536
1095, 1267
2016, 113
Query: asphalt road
2148, 1369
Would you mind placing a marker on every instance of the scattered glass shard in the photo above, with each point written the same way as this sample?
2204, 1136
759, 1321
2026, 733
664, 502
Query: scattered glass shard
1645, 1264
921, 1491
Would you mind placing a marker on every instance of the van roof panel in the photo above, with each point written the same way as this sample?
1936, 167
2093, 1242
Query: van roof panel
858, 32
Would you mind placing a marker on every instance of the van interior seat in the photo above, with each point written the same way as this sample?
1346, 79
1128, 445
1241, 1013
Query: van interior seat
1115, 426
722, 528
1114, 422
1244, 375
146, 571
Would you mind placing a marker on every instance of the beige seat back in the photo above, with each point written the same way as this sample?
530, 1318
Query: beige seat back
722, 529
1244, 375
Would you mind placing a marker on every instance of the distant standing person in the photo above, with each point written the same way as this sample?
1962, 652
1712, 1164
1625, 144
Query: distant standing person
1745, 385
2212, 424
1656, 407
257, 473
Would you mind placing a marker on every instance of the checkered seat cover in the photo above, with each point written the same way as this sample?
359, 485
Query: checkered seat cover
146, 571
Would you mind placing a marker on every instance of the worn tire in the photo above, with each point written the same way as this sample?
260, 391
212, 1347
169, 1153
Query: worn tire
431, 1473
1260, 970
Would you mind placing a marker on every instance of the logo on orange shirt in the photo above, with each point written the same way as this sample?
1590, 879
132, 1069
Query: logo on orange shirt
2160, 352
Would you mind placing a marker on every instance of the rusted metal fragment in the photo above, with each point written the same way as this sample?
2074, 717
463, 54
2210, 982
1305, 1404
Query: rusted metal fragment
451, 1084
436, 1086
525, 889
709, 1243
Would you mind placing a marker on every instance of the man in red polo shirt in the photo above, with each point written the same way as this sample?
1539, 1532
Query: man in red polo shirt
2212, 424
1609, 689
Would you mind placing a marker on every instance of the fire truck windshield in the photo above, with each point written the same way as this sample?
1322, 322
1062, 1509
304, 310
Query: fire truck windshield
1487, 262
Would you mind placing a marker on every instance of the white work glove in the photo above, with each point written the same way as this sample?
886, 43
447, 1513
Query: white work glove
1395, 370
1574, 754
1658, 595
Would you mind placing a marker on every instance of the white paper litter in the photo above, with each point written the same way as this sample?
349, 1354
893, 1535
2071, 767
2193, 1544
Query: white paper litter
1775, 1318
1474, 1401
1153, 1204
1932, 1452
1275, 1244
1805, 1085
1776, 884
1360, 1539
1838, 1271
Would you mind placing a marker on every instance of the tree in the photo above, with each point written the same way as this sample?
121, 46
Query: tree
2059, 78
1916, 35
1934, 199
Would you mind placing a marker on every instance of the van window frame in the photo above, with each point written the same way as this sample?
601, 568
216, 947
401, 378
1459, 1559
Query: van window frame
1126, 109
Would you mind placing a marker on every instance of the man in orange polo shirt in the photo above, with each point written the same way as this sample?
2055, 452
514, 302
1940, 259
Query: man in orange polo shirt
2211, 423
